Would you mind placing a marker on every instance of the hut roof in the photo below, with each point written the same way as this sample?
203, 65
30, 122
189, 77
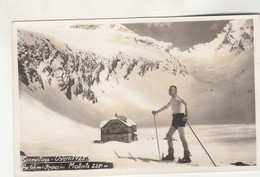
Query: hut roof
127, 122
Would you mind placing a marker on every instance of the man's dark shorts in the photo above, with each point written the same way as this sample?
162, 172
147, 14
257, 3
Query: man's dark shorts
177, 120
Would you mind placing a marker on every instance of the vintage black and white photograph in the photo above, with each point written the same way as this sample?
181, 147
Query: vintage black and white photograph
137, 95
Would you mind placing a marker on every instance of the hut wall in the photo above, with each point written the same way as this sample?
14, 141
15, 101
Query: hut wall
134, 137
133, 128
115, 130
126, 137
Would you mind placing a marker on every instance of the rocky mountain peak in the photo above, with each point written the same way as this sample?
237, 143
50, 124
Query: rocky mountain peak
42, 60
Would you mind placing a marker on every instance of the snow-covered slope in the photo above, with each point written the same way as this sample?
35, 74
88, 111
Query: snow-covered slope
39, 124
89, 72
229, 54
47, 133
87, 62
224, 73
76, 69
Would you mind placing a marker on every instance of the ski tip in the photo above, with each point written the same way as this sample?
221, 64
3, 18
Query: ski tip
132, 156
117, 155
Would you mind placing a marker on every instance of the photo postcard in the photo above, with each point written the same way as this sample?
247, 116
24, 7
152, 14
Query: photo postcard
136, 96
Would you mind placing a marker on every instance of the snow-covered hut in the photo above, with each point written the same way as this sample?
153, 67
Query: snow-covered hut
118, 128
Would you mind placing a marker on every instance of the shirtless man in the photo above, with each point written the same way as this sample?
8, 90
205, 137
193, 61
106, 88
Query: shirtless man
179, 120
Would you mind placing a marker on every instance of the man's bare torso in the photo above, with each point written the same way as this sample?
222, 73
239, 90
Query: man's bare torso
176, 105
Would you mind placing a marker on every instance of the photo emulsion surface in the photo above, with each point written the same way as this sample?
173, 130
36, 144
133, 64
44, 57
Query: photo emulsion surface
155, 94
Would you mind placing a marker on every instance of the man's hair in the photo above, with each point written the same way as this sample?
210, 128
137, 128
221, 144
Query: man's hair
174, 87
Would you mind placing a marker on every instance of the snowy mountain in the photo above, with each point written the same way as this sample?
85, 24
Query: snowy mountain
236, 36
43, 60
224, 70
89, 72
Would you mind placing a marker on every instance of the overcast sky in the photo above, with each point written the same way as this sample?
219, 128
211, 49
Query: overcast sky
182, 34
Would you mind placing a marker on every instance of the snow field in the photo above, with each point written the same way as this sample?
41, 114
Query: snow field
50, 134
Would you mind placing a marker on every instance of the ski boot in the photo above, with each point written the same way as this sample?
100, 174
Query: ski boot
170, 155
186, 158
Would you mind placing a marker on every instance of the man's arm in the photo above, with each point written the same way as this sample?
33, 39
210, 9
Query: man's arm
162, 109
186, 109
185, 104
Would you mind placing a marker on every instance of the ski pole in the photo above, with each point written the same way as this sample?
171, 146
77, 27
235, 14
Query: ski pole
157, 137
202, 145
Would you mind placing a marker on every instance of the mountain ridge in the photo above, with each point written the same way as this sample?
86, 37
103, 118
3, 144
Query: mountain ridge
131, 76
76, 71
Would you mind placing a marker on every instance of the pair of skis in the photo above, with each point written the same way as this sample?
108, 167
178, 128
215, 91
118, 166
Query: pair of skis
135, 159
132, 157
